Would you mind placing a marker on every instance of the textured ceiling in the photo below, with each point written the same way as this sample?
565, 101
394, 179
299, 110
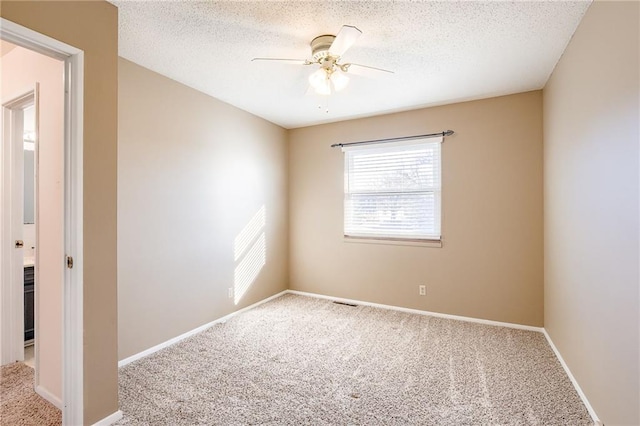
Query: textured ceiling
441, 52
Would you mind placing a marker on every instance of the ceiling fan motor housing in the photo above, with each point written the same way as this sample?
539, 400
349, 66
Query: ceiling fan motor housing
320, 47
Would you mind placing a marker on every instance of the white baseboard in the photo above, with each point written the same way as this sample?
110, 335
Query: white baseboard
110, 419
583, 397
420, 312
190, 333
49, 396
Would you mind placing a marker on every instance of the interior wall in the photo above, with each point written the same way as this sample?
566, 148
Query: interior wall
93, 27
21, 70
591, 134
490, 264
193, 173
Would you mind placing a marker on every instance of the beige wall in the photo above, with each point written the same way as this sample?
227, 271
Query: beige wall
21, 69
490, 265
93, 27
591, 209
192, 173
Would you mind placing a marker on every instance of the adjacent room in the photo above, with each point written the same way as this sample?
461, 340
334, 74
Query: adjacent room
349, 212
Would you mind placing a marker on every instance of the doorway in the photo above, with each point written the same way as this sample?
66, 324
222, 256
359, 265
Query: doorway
25, 113
33, 188
19, 199
57, 244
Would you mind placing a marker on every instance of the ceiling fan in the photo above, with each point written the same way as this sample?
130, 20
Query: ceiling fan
327, 50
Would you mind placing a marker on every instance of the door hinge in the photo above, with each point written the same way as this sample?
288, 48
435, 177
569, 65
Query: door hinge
69, 262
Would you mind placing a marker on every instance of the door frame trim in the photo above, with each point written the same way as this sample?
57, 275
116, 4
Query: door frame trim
72, 321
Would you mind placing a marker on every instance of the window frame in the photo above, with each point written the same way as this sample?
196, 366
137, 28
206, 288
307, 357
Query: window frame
432, 240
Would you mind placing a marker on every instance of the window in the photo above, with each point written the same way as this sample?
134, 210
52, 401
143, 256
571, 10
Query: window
392, 190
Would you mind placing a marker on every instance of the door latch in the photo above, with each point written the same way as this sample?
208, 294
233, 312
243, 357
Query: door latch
69, 262
19, 243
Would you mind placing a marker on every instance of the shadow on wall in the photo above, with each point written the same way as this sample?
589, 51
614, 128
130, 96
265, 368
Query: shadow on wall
249, 249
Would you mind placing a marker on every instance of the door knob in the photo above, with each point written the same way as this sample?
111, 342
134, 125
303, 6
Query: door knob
19, 243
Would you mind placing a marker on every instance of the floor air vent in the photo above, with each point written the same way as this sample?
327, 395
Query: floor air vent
345, 304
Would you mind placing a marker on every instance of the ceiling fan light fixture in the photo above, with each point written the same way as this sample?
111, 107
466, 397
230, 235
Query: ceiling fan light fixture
324, 88
323, 80
319, 80
339, 80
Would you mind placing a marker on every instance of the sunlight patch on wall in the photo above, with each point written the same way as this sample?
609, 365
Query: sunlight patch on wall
249, 233
250, 248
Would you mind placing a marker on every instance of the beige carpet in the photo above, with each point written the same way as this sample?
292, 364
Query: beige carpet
299, 360
20, 405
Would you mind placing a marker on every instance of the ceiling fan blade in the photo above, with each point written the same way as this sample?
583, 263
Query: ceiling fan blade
358, 69
344, 40
299, 61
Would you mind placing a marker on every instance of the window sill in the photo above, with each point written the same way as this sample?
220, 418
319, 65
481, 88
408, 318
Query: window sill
393, 241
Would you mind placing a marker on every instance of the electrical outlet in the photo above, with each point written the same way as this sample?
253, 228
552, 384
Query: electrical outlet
230, 292
422, 290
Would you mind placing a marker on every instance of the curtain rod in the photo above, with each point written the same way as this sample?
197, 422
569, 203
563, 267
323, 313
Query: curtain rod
403, 138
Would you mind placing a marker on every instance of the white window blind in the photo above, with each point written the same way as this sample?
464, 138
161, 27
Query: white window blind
392, 190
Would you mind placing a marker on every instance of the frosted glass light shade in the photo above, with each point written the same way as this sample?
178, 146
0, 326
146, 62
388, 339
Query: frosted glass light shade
339, 80
318, 79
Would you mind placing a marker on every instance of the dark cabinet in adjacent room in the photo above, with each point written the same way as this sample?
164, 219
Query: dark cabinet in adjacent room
29, 303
